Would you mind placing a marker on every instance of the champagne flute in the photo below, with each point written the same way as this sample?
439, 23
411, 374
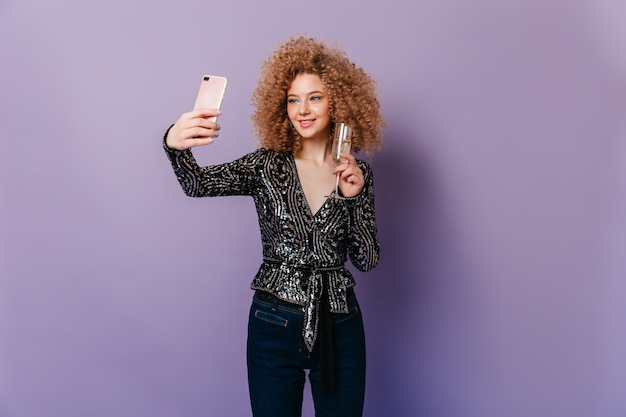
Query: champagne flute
342, 141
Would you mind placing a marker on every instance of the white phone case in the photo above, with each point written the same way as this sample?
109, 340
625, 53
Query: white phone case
211, 92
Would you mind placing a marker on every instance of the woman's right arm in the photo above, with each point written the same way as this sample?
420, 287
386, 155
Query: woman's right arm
233, 178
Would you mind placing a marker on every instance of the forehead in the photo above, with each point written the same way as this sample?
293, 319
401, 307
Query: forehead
306, 83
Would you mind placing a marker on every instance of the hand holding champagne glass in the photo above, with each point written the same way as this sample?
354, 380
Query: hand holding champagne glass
342, 141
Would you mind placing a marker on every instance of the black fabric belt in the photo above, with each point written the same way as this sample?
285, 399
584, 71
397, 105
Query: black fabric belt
310, 268
270, 298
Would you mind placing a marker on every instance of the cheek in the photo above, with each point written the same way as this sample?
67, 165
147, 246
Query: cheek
291, 112
324, 112
327, 110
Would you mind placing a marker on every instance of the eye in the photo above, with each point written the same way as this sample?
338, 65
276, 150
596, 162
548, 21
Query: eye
315, 98
292, 100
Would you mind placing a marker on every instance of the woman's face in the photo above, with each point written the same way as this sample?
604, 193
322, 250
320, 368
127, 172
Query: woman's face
308, 107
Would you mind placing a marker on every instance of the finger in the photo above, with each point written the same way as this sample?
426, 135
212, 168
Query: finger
349, 157
200, 132
199, 142
350, 169
353, 177
341, 169
187, 122
204, 113
209, 124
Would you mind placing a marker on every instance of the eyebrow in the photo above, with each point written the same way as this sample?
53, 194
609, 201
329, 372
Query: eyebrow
307, 94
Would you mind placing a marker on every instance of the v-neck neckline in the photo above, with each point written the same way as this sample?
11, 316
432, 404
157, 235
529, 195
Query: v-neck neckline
304, 198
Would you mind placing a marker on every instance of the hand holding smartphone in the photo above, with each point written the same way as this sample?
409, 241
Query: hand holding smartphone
211, 93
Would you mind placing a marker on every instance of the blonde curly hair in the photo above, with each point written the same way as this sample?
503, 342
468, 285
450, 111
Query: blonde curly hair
351, 91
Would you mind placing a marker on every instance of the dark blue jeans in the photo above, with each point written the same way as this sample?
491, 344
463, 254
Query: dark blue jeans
278, 358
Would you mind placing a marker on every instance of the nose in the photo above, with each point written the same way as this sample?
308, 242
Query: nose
304, 108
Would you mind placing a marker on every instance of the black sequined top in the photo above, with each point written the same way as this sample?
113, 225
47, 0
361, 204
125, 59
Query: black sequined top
302, 251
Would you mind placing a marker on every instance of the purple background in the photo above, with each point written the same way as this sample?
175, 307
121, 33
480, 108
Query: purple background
500, 196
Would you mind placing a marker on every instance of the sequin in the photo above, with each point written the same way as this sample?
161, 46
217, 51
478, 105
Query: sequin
301, 250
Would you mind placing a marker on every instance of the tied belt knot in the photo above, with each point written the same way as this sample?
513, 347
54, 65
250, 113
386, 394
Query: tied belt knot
318, 318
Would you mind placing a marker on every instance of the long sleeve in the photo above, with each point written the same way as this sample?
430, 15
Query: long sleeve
363, 247
232, 178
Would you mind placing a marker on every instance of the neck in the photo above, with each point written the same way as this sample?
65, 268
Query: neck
314, 151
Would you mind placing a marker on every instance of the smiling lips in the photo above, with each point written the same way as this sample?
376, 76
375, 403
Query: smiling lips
306, 122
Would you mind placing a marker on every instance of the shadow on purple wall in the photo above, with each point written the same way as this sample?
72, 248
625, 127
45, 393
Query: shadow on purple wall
418, 262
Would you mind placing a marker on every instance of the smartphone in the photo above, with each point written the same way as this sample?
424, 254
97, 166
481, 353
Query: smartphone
211, 92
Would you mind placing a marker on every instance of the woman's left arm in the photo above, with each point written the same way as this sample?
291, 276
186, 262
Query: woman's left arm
364, 248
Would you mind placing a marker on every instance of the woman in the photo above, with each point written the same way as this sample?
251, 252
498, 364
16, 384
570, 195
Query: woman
304, 314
